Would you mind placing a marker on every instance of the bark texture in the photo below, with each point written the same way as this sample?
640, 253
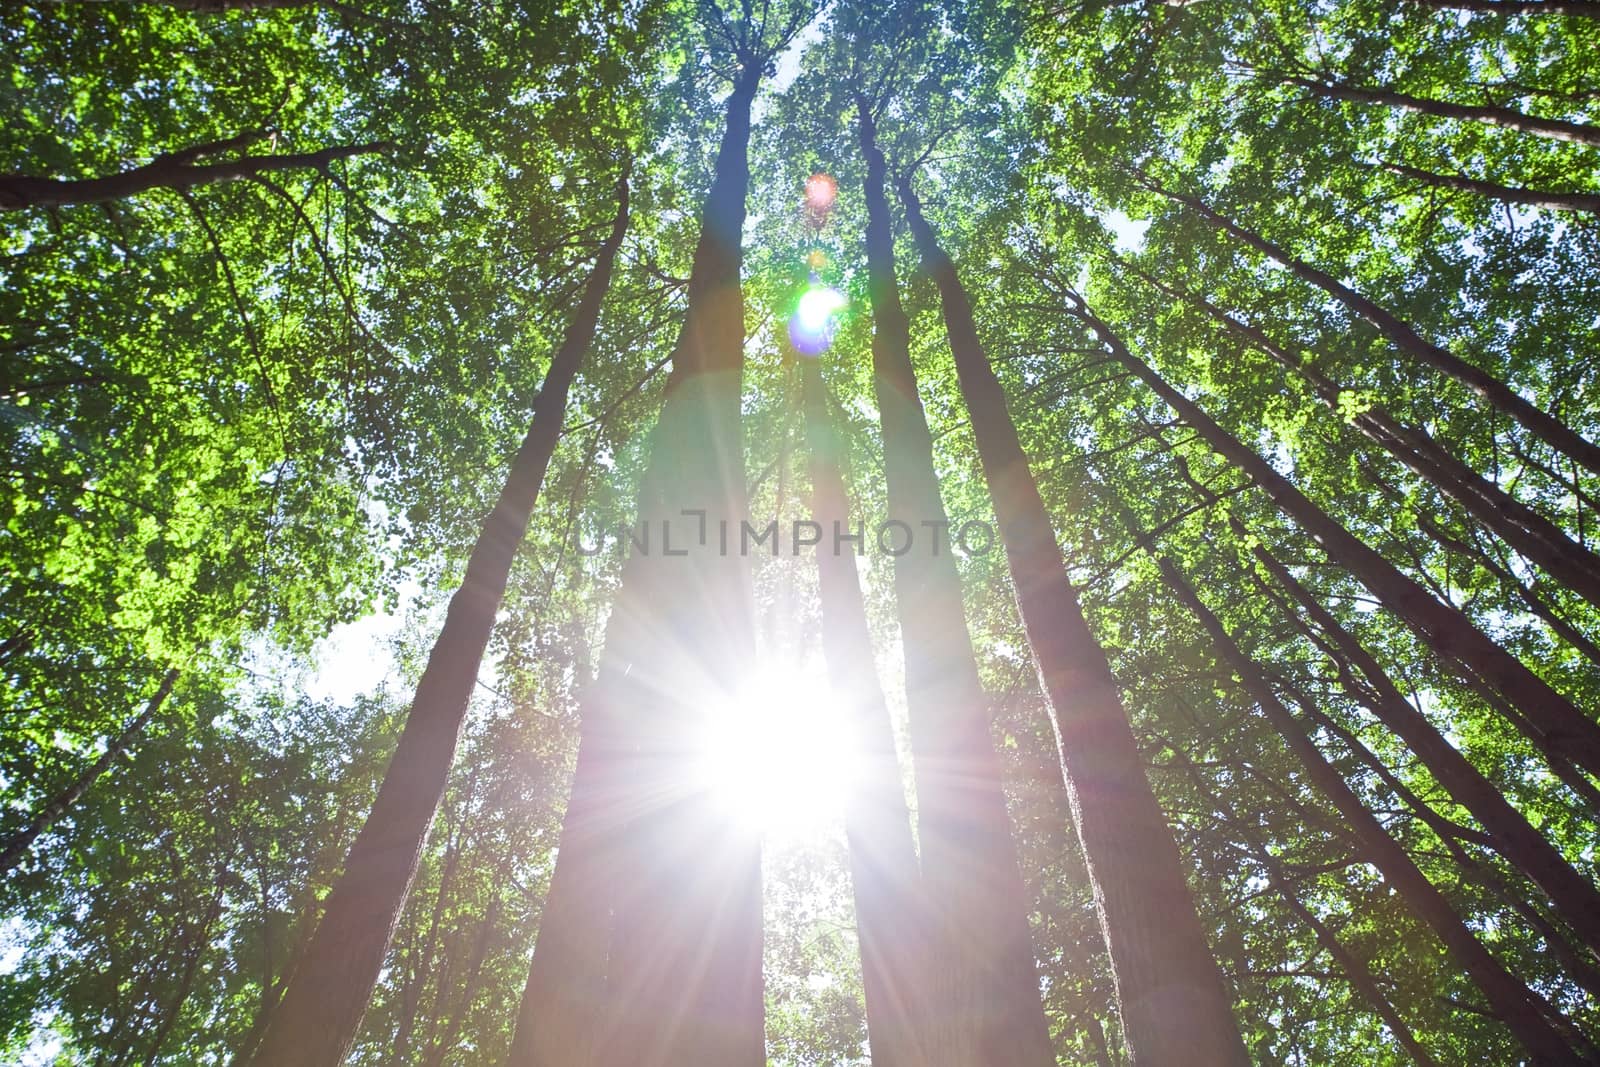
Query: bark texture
986, 1009
321, 1009
891, 920
1170, 993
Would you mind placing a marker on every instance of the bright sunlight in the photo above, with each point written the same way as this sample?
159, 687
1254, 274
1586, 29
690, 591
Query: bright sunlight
782, 757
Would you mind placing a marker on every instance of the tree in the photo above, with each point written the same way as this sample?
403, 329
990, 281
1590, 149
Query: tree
986, 975
683, 966
177, 170
1138, 880
1550, 715
323, 1004
891, 912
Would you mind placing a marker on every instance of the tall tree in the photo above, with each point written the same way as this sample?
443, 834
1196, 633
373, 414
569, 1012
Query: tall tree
988, 985
1511, 119
1520, 1008
891, 918
1510, 831
1494, 391
1169, 992
177, 170
683, 967
1551, 716
322, 1007
1355, 970
1538, 538
16, 846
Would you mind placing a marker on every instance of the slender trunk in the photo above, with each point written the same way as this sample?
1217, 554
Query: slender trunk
1170, 994
1509, 118
1578, 965
1524, 529
16, 847
1526, 592
890, 910
423, 968
441, 1046
1579, 8
557, 1021
1497, 393
272, 992
19, 191
683, 976
989, 988
1553, 718
1570, 774
1510, 1000
1355, 970
191, 968
1510, 832
321, 1009
1553, 201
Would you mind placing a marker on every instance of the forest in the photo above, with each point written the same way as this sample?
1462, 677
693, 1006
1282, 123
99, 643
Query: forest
712, 533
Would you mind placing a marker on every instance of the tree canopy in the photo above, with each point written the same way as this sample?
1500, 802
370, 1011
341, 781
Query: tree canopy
1245, 349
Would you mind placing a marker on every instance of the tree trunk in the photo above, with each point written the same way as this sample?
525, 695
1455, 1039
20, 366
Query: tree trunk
1170, 994
1524, 529
683, 976
1509, 830
559, 1017
1444, 628
1527, 592
321, 1010
1355, 970
445, 1042
1553, 201
176, 171
988, 1008
1498, 394
1509, 118
16, 847
1577, 963
891, 920
1511, 1001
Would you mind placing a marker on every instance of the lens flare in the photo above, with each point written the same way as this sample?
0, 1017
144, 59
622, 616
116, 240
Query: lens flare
816, 320
817, 259
821, 191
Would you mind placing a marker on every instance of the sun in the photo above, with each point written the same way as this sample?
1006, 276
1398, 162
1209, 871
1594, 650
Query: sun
816, 319
781, 758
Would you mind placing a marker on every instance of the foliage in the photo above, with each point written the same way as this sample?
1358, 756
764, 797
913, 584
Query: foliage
240, 414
